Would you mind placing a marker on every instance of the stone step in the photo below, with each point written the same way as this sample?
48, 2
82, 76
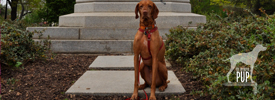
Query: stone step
120, 83
84, 1
71, 33
91, 46
75, 33
116, 20
115, 62
129, 7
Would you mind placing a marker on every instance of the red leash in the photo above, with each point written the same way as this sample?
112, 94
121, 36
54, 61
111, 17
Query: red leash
148, 33
138, 81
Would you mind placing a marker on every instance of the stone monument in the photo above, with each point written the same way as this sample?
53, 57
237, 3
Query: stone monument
109, 26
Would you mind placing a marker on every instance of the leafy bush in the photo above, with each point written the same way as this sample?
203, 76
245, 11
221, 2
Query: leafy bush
203, 50
18, 47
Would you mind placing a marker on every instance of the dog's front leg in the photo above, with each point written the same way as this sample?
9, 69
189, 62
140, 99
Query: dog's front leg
154, 75
135, 93
136, 65
154, 52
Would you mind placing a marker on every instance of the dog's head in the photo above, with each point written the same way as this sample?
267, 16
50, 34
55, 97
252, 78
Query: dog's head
260, 47
148, 12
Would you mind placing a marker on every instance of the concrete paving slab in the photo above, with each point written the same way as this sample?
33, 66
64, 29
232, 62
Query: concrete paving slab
115, 62
105, 83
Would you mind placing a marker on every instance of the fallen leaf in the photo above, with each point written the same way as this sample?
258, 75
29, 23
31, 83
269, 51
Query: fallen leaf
18, 94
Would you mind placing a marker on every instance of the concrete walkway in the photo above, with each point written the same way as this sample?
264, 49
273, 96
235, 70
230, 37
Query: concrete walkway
114, 82
116, 62
104, 83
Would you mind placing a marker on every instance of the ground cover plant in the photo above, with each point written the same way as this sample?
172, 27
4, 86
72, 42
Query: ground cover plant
18, 47
203, 50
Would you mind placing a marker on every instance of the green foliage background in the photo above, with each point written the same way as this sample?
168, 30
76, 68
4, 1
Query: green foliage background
33, 19
201, 52
18, 47
206, 7
55, 8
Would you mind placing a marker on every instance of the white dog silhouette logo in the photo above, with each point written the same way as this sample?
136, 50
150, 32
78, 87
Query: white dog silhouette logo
246, 58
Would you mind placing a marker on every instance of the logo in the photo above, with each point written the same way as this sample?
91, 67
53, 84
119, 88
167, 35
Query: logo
243, 74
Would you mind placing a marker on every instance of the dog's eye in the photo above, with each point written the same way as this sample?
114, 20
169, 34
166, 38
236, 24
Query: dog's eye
140, 6
149, 6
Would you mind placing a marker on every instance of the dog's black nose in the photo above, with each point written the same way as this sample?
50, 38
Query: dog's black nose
145, 13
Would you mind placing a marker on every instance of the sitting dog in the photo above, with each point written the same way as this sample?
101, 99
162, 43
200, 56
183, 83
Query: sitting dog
149, 45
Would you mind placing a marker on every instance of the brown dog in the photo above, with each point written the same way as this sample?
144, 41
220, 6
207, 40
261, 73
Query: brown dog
149, 45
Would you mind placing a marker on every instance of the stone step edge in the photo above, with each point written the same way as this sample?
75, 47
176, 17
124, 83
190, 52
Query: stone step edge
91, 46
127, 20
86, 84
125, 63
121, 13
129, 7
86, 1
76, 33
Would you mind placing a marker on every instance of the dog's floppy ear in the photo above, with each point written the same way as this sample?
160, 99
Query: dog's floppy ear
155, 11
136, 11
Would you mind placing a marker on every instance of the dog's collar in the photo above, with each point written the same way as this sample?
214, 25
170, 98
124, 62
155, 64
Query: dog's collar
148, 30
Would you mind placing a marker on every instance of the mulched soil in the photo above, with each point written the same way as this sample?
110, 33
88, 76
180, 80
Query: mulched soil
50, 79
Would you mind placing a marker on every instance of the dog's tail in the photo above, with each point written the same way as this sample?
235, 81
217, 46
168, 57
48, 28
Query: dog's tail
168, 81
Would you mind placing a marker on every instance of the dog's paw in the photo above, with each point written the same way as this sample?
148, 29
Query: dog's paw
134, 96
152, 98
162, 88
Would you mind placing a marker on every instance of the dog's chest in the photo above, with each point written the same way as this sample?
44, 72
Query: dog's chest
144, 47
145, 43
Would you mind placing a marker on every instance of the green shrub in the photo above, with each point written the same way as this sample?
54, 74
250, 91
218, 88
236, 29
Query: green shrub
18, 47
203, 50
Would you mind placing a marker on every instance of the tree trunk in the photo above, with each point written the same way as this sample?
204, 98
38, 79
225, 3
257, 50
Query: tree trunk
13, 9
6, 10
22, 11
256, 8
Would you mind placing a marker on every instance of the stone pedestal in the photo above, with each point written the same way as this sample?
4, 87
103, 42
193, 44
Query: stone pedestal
109, 26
